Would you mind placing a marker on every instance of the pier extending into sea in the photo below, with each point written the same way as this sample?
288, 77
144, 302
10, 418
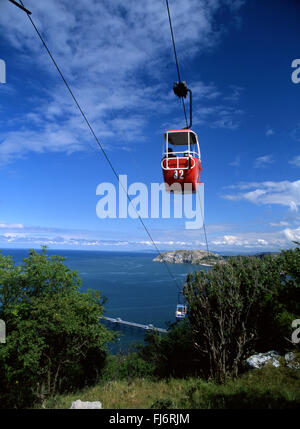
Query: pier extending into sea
119, 321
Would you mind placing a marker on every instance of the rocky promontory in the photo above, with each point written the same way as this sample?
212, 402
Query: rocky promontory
197, 257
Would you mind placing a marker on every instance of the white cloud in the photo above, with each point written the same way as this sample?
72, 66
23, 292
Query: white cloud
231, 239
292, 234
11, 225
283, 193
103, 48
295, 161
270, 132
200, 91
293, 206
281, 223
263, 161
217, 115
235, 94
13, 236
218, 240
257, 240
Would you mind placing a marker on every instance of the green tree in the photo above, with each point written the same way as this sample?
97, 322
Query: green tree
243, 306
54, 340
284, 306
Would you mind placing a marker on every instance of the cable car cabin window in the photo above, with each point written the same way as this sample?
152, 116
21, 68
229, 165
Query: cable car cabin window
170, 152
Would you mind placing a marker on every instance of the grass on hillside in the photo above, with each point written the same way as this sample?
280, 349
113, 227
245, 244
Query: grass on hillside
267, 388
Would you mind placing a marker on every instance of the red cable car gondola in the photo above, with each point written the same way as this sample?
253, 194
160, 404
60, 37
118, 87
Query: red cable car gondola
182, 166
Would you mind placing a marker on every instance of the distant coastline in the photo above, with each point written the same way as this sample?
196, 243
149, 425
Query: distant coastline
201, 257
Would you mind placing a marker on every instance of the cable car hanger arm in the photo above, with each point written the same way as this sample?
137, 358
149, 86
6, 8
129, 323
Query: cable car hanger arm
190, 125
180, 89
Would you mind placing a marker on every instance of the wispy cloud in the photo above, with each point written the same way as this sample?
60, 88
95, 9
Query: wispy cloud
235, 93
103, 48
236, 162
221, 237
231, 241
281, 223
11, 226
258, 240
218, 115
263, 161
295, 161
292, 234
283, 193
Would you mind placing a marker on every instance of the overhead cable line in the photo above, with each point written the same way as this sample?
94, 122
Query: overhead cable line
175, 55
204, 228
20, 6
97, 140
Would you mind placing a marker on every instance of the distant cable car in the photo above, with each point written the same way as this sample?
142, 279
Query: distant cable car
181, 162
181, 311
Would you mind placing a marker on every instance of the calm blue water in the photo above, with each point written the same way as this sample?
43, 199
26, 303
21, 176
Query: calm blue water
137, 289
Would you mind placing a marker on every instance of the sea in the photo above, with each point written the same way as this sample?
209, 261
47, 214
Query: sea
136, 288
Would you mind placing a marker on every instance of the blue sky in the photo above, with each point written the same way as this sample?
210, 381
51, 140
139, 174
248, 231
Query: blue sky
236, 57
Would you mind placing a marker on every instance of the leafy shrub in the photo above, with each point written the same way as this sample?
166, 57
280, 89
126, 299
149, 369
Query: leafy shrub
244, 306
241, 307
54, 339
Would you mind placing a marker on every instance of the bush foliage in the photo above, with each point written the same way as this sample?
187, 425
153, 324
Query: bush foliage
54, 340
55, 343
244, 306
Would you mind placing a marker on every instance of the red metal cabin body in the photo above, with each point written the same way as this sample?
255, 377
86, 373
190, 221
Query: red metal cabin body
181, 168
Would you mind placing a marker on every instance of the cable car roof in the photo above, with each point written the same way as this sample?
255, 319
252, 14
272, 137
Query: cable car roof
180, 137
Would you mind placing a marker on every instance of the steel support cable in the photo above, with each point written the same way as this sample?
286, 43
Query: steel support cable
98, 141
173, 41
202, 216
175, 54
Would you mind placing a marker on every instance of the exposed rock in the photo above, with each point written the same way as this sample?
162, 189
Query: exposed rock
197, 257
259, 360
292, 361
201, 257
85, 405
